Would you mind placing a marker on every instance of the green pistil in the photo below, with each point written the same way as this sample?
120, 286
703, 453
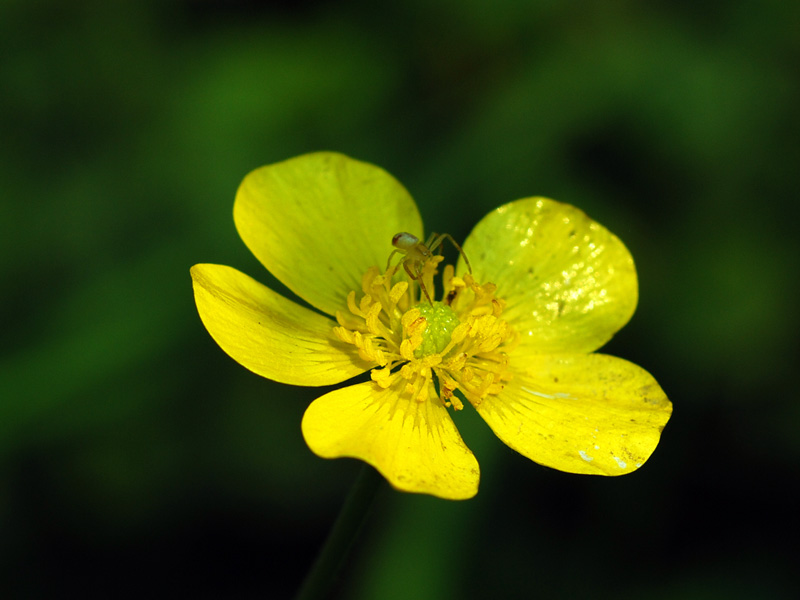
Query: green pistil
441, 323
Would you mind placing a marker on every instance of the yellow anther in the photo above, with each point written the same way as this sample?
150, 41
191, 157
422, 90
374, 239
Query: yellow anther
407, 371
410, 316
343, 334
408, 346
422, 395
460, 332
431, 360
368, 278
495, 388
497, 307
456, 403
378, 281
457, 362
364, 305
383, 376
373, 324
457, 345
447, 277
347, 320
351, 304
398, 291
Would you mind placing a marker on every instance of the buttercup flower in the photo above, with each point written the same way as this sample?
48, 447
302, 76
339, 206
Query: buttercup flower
514, 333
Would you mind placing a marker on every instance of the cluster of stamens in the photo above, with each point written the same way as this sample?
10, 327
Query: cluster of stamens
428, 349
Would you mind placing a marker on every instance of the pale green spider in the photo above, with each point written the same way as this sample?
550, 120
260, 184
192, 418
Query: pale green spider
417, 254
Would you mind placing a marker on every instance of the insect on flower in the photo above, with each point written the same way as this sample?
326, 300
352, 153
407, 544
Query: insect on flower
417, 254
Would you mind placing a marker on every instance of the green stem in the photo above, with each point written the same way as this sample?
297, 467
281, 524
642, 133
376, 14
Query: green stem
340, 540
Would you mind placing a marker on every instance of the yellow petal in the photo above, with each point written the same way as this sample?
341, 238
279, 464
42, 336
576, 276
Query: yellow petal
590, 413
569, 283
269, 334
319, 221
415, 445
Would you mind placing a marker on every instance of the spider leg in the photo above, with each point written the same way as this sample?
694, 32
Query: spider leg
432, 242
436, 240
391, 256
415, 277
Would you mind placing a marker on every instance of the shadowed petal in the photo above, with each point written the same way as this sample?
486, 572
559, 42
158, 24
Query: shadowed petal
267, 333
590, 414
414, 445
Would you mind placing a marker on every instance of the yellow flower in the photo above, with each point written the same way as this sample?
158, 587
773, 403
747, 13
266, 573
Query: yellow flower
514, 336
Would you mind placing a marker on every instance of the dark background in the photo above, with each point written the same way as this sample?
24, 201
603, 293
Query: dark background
138, 460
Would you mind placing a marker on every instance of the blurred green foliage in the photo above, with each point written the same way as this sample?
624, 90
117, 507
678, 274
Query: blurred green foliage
137, 459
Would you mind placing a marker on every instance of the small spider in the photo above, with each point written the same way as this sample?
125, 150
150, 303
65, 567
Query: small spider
417, 254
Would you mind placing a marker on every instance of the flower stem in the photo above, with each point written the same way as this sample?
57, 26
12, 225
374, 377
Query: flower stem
343, 534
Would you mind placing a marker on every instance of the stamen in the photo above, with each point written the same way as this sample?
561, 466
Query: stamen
461, 341
351, 304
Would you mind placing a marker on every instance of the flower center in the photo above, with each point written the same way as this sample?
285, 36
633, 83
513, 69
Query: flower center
441, 322
460, 342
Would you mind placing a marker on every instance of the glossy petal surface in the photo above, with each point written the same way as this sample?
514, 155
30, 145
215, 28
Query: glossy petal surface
319, 221
569, 283
589, 414
267, 333
414, 445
